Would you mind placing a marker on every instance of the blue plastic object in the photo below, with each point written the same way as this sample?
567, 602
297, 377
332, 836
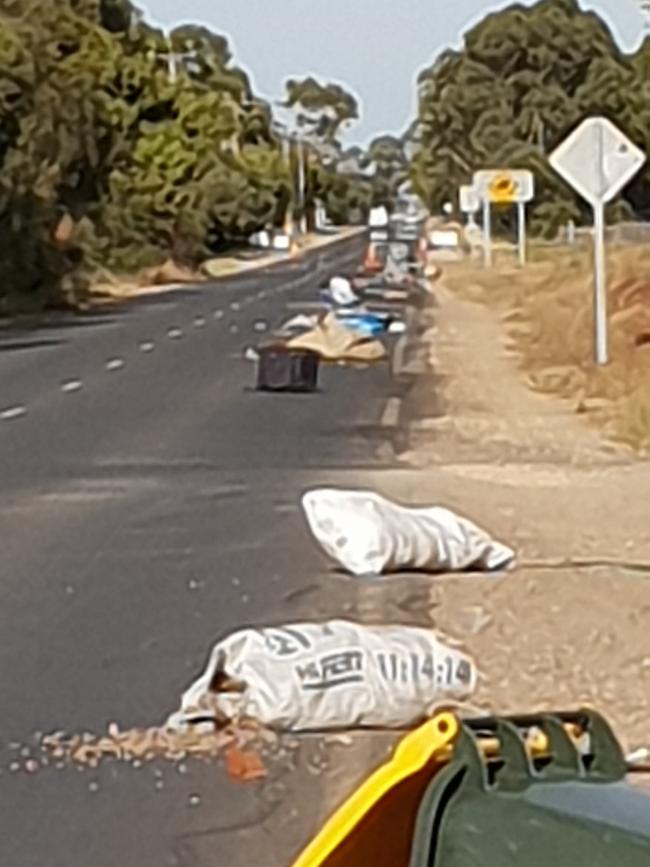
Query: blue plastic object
370, 324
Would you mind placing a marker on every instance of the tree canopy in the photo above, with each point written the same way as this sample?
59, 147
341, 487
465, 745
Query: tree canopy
526, 76
335, 175
147, 165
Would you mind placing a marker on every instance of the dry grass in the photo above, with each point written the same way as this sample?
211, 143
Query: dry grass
547, 312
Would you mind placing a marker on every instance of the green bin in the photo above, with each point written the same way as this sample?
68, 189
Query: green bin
572, 807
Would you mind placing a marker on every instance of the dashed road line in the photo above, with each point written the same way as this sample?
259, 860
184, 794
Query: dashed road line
12, 412
199, 322
174, 333
147, 346
235, 305
115, 364
218, 314
71, 385
390, 416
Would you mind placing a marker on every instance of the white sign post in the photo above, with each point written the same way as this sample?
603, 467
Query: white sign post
521, 233
598, 160
504, 187
487, 233
470, 202
469, 199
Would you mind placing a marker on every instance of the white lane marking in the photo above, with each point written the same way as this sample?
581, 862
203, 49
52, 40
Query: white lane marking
218, 314
261, 325
261, 294
390, 416
13, 412
115, 364
71, 385
174, 333
235, 305
199, 322
147, 346
233, 328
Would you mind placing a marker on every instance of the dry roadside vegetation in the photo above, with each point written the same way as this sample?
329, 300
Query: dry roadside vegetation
546, 309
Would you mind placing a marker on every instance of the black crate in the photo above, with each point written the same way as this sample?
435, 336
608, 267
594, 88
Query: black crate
283, 369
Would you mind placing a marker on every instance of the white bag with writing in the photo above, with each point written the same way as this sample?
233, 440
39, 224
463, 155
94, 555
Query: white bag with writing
320, 676
369, 535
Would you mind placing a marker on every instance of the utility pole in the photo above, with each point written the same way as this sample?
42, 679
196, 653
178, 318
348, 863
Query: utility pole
301, 184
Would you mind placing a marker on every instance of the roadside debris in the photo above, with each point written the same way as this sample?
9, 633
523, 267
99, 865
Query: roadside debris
364, 322
370, 535
326, 676
300, 322
340, 292
147, 744
282, 368
244, 765
333, 342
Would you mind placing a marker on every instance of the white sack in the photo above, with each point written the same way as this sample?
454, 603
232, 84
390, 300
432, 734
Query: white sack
341, 292
319, 676
369, 535
300, 321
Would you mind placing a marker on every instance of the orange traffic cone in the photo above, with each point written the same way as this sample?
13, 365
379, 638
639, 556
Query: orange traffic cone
372, 264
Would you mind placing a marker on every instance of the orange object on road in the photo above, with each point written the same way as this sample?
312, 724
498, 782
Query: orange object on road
245, 766
372, 263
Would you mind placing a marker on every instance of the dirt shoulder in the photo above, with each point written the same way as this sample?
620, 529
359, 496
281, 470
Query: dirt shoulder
568, 626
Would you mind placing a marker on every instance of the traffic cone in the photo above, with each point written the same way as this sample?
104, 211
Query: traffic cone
372, 263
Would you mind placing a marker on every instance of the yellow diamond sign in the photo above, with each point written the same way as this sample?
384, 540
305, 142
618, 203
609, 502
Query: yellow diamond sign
503, 189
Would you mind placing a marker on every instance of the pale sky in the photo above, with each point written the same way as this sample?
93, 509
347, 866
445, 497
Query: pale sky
374, 47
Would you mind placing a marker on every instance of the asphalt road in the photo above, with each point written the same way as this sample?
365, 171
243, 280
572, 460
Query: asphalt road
149, 505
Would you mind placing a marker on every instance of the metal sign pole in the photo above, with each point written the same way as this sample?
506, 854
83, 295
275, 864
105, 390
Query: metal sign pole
600, 292
487, 233
521, 220
301, 184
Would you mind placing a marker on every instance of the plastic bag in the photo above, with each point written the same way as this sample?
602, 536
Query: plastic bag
340, 290
369, 535
369, 324
320, 676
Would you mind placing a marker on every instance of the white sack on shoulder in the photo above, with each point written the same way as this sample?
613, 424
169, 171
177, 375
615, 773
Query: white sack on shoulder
369, 535
342, 292
324, 676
